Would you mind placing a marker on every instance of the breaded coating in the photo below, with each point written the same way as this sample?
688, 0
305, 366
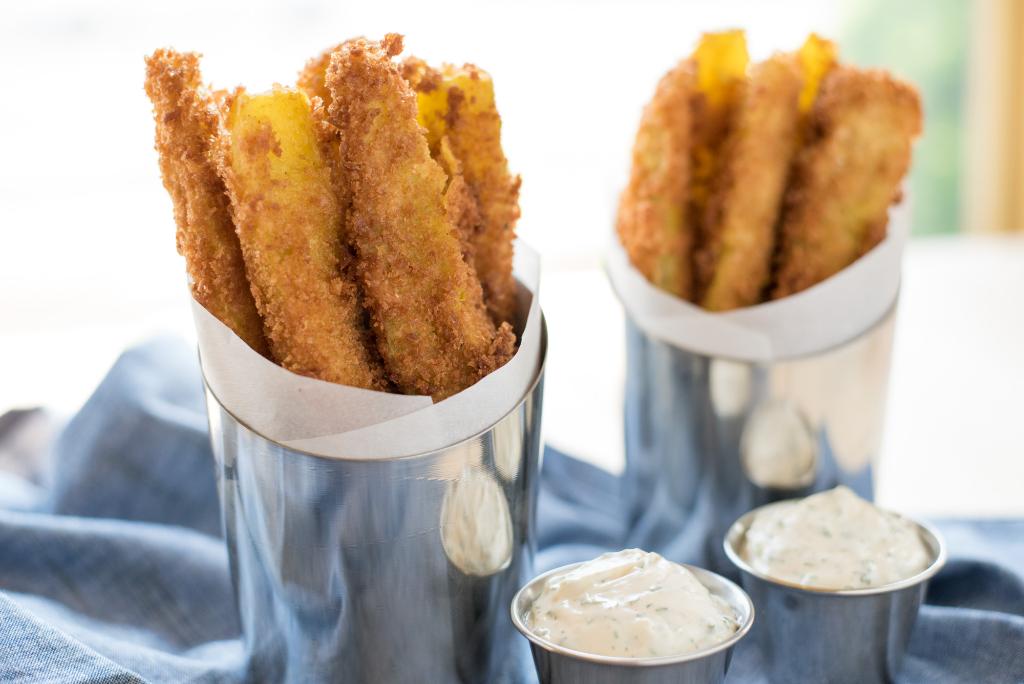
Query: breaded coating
817, 56
653, 223
289, 224
459, 202
312, 78
186, 123
462, 204
312, 81
739, 231
862, 127
332, 152
721, 62
674, 160
457, 104
426, 303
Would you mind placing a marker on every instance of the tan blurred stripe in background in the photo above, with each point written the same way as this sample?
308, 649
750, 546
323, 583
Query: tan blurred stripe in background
994, 182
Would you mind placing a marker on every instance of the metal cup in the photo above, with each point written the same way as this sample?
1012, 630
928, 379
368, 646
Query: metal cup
559, 665
377, 569
811, 635
709, 438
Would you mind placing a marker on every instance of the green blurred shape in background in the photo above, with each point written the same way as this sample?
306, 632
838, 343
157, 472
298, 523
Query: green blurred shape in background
924, 42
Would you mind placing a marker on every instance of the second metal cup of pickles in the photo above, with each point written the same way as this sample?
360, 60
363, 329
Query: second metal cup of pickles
709, 438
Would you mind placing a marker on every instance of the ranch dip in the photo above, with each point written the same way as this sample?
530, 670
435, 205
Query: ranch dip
834, 540
630, 604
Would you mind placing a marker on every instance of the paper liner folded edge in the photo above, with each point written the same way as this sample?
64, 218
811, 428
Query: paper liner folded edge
387, 426
815, 320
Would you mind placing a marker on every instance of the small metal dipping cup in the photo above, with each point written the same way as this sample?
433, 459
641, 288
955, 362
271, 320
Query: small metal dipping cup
559, 665
815, 635
394, 570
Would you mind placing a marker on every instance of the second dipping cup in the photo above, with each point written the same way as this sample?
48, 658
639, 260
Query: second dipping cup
817, 635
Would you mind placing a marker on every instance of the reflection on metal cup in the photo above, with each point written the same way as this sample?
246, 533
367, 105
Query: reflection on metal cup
856, 636
709, 438
730, 387
476, 528
377, 569
778, 447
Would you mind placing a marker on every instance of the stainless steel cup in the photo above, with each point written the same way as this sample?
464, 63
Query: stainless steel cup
559, 665
377, 569
856, 636
709, 438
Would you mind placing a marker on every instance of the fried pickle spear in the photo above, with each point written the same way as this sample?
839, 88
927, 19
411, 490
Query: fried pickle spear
862, 127
721, 61
652, 221
186, 123
426, 303
739, 231
817, 56
289, 224
457, 104
312, 81
674, 161
734, 260
460, 204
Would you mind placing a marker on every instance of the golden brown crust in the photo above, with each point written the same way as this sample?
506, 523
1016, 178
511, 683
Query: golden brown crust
459, 202
312, 78
721, 63
475, 134
463, 112
738, 235
426, 303
289, 224
862, 129
421, 76
332, 150
653, 223
186, 123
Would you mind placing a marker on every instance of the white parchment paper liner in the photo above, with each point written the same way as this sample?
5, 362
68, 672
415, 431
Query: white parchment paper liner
347, 422
819, 318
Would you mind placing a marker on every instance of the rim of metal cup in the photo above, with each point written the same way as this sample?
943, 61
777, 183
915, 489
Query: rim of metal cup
929, 534
745, 605
879, 322
421, 454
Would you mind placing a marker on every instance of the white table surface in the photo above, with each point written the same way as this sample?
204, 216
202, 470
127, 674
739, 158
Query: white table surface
954, 442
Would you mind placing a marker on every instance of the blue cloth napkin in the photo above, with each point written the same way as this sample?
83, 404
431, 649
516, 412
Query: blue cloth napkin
113, 571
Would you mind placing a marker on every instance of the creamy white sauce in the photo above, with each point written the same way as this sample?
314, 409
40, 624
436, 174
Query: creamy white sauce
834, 540
630, 604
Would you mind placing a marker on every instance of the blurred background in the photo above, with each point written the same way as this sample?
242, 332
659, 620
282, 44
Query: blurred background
88, 266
